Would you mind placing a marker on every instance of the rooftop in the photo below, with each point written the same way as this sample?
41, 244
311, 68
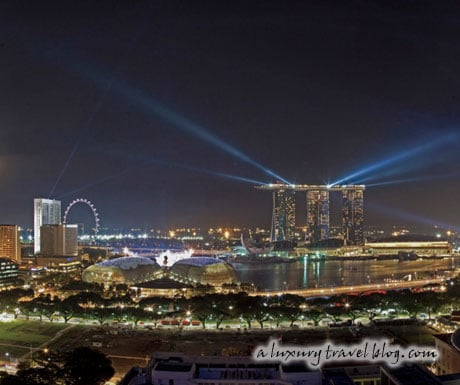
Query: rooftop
127, 263
199, 261
409, 238
412, 375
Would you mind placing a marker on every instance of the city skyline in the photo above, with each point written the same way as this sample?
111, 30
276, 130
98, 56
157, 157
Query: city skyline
167, 114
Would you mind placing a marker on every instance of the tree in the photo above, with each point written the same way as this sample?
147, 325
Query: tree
44, 306
253, 308
373, 304
315, 315
336, 312
67, 308
432, 301
217, 307
85, 366
201, 309
10, 298
136, 314
278, 314
82, 286
26, 308
89, 299
81, 366
100, 314
411, 303
8, 379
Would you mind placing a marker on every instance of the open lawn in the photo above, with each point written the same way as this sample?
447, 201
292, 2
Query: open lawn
28, 333
79, 335
18, 337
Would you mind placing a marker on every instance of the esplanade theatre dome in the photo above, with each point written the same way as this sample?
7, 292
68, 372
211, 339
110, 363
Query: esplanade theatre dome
205, 270
127, 270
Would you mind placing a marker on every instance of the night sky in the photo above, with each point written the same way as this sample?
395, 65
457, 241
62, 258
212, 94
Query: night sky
138, 105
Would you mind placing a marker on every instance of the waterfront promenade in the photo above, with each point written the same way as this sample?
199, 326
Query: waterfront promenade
355, 289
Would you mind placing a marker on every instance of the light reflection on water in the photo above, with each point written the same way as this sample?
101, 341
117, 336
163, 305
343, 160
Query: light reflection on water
306, 273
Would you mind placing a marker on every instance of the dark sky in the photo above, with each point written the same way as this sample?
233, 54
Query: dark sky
124, 102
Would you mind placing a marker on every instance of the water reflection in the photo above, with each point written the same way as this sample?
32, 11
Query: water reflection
306, 273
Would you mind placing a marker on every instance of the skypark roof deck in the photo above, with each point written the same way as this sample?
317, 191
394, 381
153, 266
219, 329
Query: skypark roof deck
308, 187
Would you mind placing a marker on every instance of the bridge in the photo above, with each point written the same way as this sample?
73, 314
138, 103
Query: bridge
352, 289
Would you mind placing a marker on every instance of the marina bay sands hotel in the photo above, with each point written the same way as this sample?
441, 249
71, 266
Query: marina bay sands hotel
283, 218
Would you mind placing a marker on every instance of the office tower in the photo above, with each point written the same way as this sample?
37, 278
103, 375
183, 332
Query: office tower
46, 212
10, 245
317, 215
59, 240
353, 215
283, 219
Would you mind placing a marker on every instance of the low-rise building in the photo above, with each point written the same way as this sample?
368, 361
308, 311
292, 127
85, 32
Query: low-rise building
422, 245
449, 356
9, 271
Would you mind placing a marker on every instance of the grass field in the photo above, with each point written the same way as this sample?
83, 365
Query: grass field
28, 333
18, 337
79, 335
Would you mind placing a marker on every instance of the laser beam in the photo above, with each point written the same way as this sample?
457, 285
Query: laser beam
410, 217
162, 163
360, 175
410, 180
106, 87
87, 126
147, 103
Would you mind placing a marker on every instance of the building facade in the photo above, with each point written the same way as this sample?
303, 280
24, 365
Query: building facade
317, 221
46, 212
317, 215
283, 217
353, 216
449, 356
10, 245
59, 240
8, 271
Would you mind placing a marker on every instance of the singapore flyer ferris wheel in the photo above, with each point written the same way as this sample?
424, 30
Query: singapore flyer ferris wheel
91, 206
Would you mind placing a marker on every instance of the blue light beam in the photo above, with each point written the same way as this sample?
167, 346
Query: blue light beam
87, 126
410, 217
163, 163
410, 180
402, 156
106, 87
143, 99
146, 102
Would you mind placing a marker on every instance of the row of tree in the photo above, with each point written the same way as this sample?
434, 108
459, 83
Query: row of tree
217, 308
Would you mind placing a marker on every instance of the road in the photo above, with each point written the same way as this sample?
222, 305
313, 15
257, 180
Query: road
318, 292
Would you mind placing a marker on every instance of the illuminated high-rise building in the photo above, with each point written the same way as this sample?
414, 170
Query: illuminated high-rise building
283, 218
59, 240
46, 212
353, 215
317, 214
283, 215
10, 245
